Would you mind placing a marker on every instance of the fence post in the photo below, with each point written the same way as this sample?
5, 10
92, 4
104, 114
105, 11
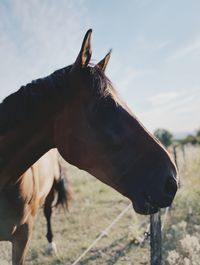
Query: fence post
156, 239
183, 152
175, 155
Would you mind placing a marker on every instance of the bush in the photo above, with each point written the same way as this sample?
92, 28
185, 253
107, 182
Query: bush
164, 136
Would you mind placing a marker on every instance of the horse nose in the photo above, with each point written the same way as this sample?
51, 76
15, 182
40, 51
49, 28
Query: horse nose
170, 187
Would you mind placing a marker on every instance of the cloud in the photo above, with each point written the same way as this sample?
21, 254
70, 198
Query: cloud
125, 77
162, 98
37, 37
179, 111
189, 48
124, 83
142, 43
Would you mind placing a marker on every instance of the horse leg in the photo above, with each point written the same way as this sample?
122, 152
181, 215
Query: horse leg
51, 248
20, 242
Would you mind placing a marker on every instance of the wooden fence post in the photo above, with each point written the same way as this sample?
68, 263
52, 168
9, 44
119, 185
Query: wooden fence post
176, 161
156, 239
183, 152
175, 155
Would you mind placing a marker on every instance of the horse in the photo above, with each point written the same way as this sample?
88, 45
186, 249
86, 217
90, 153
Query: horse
20, 202
77, 110
61, 189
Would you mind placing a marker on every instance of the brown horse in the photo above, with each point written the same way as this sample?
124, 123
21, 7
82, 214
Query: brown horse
77, 110
20, 202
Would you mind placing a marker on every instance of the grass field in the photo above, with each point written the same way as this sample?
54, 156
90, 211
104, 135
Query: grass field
96, 205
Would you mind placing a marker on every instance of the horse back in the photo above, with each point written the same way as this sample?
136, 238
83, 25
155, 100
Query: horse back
44, 172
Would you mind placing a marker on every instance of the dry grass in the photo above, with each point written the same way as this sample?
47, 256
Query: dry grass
95, 206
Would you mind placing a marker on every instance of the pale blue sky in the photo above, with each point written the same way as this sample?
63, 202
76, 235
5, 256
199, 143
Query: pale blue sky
155, 63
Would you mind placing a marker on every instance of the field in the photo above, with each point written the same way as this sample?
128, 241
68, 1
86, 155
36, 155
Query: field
95, 206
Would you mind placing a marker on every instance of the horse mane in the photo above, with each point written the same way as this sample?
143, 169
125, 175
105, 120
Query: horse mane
29, 100
26, 102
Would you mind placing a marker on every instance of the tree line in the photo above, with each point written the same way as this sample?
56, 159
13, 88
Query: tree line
167, 138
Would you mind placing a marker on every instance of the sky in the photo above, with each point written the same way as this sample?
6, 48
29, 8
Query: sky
155, 63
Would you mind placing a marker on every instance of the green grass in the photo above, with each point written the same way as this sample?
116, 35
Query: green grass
95, 206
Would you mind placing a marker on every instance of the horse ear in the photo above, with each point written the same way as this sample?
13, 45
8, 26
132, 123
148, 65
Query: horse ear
103, 63
85, 52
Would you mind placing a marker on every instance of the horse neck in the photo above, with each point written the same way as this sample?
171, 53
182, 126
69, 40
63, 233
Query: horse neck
20, 148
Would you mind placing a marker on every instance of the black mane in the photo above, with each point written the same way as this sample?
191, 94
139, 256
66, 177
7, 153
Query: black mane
22, 104
28, 101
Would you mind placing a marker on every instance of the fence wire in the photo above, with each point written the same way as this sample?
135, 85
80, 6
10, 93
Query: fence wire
105, 232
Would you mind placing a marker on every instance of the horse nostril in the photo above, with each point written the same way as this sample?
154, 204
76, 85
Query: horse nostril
170, 187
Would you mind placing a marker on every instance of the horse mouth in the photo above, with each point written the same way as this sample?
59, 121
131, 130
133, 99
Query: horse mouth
145, 206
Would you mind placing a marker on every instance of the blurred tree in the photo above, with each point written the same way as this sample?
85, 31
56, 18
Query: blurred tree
198, 133
164, 136
198, 136
190, 139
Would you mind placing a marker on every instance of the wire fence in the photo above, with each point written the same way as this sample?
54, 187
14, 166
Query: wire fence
107, 229
149, 230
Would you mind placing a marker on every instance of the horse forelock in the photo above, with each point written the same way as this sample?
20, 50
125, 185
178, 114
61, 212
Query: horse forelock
103, 88
100, 83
